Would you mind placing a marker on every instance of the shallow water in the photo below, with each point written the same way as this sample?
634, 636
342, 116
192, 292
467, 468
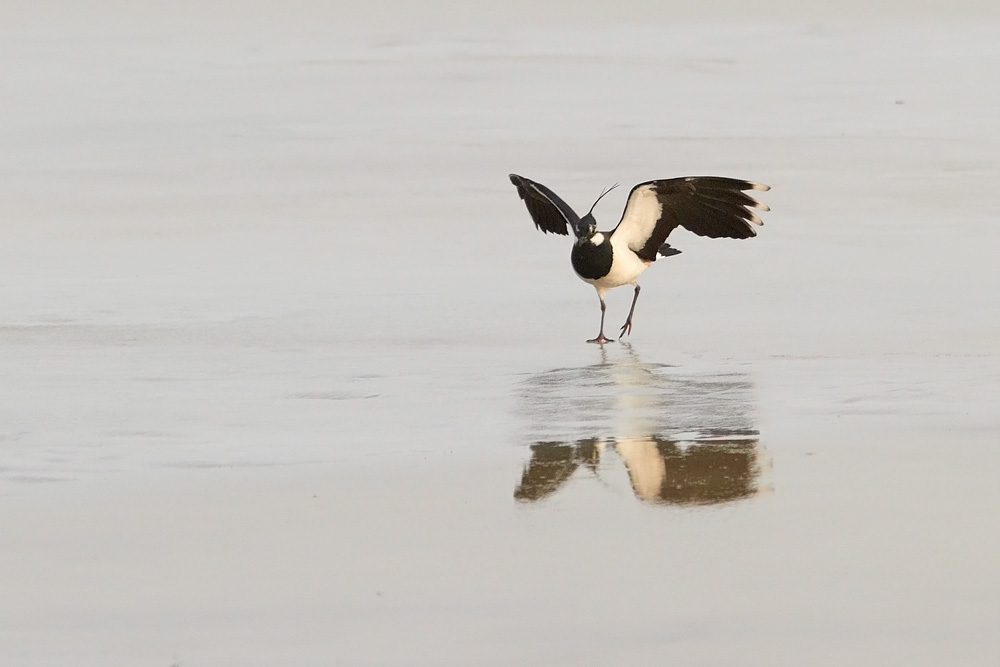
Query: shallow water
305, 376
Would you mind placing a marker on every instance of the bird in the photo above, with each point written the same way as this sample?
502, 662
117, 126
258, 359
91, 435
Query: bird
712, 206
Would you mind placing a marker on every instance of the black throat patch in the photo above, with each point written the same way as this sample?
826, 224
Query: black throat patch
592, 261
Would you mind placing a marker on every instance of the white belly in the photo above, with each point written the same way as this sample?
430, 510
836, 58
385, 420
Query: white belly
625, 269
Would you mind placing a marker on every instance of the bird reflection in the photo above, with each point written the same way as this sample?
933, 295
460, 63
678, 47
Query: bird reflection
685, 438
662, 472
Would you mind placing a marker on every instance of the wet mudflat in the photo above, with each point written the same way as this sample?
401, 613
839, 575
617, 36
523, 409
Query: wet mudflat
290, 378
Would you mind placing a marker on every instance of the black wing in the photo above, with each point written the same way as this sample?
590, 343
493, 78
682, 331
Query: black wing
552, 463
550, 213
706, 205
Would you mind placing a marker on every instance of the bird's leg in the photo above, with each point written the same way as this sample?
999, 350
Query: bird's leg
600, 336
627, 327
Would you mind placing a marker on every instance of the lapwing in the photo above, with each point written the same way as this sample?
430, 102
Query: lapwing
706, 205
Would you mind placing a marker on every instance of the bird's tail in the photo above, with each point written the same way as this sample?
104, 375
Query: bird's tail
666, 251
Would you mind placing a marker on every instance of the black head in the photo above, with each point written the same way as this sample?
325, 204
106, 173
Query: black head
587, 227
588, 224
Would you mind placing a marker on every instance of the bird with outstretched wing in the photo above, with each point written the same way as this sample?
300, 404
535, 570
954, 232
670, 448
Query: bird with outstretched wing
709, 206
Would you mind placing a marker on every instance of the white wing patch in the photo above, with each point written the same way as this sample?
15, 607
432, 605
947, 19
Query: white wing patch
642, 212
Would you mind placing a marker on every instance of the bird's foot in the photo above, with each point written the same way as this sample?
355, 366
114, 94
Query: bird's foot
626, 328
601, 339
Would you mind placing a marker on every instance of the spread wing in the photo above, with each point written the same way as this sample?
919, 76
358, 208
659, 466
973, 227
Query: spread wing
706, 205
552, 463
550, 213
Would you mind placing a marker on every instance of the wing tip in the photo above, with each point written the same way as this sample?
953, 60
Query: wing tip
761, 187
